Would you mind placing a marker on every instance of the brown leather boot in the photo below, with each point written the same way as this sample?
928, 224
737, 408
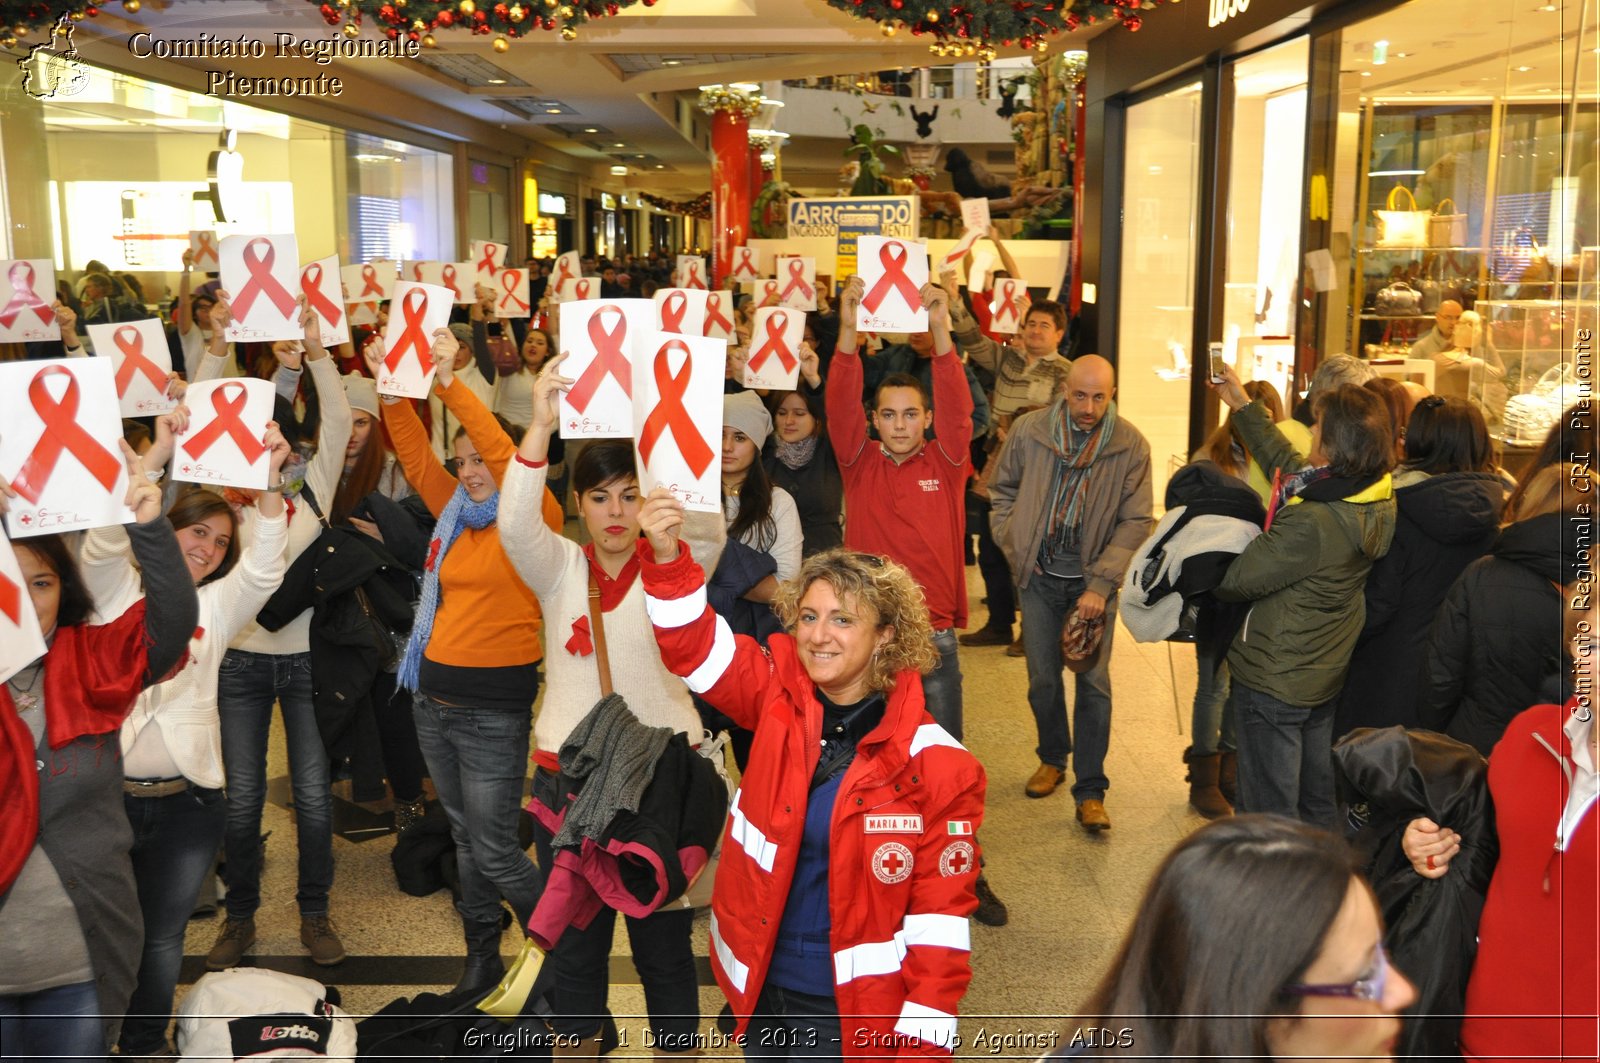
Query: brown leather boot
1204, 796
1228, 778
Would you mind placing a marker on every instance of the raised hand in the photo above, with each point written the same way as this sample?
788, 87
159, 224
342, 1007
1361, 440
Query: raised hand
144, 497
68, 319
289, 353
445, 347
169, 426
810, 365
937, 300
311, 328
661, 520
1230, 391
547, 389
850, 298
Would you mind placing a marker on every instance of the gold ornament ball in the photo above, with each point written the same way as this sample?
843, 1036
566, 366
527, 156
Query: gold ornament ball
19, 30
567, 12
501, 44
352, 30
400, 4
428, 41
888, 30
467, 7
132, 6
417, 25
344, 3
550, 3
568, 33
933, 16
8, 42
517, 14
76, 16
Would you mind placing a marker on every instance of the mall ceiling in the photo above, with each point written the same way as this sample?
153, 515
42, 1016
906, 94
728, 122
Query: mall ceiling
615, 90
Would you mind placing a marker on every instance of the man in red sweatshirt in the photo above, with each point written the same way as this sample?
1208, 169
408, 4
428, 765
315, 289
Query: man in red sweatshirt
905, 495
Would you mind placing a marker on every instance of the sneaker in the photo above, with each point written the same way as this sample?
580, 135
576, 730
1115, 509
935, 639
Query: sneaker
317, 935
408, 814
991, 909
233, 939
1016, 649
986, 636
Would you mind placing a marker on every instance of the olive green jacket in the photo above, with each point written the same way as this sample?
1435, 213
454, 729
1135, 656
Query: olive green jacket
1306, 576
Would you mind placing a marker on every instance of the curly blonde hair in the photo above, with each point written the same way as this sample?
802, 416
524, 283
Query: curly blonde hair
876, 584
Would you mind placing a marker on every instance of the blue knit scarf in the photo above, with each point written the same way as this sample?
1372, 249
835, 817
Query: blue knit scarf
460, 512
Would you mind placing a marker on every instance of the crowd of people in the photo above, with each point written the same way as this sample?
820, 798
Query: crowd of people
1363, 582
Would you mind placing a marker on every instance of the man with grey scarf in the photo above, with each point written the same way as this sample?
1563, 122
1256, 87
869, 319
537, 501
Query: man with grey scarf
1072, 502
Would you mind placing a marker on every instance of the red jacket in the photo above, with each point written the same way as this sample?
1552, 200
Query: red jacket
902, 861
914, 512
1536, 939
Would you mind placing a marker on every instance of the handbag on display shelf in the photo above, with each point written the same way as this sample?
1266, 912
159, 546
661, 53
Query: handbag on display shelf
1432, 291
1385, 352
1401, 228
1446, 229
1399, 300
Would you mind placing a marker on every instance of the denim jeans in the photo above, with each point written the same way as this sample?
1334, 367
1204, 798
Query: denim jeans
1212, 722
941, 688
663, 953
175, 838
57, 1024
478, 759
1047, 601
791, 1025
998, 584
1285, 757
247, 686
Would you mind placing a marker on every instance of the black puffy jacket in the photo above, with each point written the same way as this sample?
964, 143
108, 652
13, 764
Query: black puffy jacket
1443, 524
1498, 634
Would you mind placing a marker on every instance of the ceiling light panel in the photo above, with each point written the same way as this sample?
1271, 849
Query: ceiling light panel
643, 62
474, 71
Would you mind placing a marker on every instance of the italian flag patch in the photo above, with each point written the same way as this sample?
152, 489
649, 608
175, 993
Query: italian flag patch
958, 826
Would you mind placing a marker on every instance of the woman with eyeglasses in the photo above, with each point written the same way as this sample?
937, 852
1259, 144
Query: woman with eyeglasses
1257, 939
839, 917
1448, 498
1536, 979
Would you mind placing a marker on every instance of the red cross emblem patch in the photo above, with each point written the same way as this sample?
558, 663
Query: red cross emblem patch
891, 863
957, 859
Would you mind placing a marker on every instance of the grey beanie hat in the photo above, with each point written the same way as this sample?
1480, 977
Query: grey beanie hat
746, 412
362, 393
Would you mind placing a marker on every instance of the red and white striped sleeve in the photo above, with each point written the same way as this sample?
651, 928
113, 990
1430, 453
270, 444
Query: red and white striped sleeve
729, 671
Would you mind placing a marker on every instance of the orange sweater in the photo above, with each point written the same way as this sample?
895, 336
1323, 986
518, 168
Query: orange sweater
487, 617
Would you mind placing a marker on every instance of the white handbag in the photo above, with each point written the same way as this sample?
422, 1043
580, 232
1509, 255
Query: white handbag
1401, 228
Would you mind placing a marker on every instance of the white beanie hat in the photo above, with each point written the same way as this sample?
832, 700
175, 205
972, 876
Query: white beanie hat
362, 393
745, 411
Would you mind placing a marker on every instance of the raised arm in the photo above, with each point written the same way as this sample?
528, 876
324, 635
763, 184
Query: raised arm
424, 471
333, 433
847, 419
952, 398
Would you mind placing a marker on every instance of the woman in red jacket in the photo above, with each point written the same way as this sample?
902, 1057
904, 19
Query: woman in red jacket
839, 917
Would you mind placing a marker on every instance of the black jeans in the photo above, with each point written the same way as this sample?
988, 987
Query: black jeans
791, 1025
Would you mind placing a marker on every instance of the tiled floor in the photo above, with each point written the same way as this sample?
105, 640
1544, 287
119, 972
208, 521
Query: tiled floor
1071, 894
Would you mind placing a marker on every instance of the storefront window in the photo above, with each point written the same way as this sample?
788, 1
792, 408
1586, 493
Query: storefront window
1156, 320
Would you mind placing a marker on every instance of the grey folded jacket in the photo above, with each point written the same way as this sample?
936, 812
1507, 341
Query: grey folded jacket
615, 755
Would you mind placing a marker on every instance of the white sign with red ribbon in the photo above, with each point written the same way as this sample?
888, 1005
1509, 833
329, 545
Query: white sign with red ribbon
601, 337
568, 267
1009, 305
203, 242
27, 288
488, 258
718, 322
455, 276
365, 286
261, 275
577, 289
776, 333
223, 444
894, 272
677, 405
975, 222
691, 272
415, 313
511, 293
138, 352
681, 310
767, 292
416, 270
746, 264
983, 263
58, 446
321, 284
20, 640
796, 283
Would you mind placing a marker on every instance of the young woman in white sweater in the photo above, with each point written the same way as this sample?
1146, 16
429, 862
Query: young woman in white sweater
560, 572
172, 740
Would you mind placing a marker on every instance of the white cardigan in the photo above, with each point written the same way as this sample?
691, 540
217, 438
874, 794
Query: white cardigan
187, 734
557, 570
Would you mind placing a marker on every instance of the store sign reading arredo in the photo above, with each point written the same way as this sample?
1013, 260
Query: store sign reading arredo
896, 215
1223, 10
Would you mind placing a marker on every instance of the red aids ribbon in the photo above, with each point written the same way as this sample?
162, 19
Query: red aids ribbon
487, 261
412, 337
61, 432
434, 546
204, 248
448, 276
261, 282
130, 341
311, 284
673, 307
416, 272
369, 281
746, 266
770, 293
228, 400
894, 277
797, 279
581, 644
775, 344
23, 297
714, 315
565, 274
580, 289
511, 280
671, 413
1007, 305
10, 599
609, 357
693, 280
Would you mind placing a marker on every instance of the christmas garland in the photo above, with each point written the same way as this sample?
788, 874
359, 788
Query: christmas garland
698, 207
417, 19
22, 20
1008, 23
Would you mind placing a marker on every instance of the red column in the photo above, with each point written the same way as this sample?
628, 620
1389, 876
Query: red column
730, 188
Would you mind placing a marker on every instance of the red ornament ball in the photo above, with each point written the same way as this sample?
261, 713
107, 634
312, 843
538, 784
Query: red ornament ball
392, 33
413, 35
91, 11
897, 4
480, 16
386, 12
328, 11
447, 18
503, 12
1133, 22
612, 9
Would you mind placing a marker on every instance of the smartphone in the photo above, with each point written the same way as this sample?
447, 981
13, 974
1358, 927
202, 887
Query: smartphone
1218, 366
